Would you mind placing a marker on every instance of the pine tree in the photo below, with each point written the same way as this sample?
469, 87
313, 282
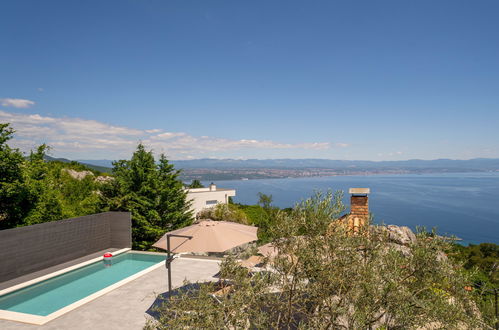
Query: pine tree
152, 193
44, 200
196, 184
172, 203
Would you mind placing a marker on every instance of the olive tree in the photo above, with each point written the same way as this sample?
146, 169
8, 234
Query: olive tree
324, 277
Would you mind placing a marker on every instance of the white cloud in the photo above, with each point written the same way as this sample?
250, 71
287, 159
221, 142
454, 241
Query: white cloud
166, 135
83, 138
16, 103
152, 131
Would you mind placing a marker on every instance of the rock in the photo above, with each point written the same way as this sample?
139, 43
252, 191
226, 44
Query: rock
103, 179
78, 175
400, 234
406, 252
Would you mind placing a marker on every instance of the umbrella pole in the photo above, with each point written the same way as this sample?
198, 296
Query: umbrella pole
169, 266
169, 259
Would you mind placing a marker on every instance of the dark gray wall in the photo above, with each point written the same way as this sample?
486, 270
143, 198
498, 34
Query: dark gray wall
28, 249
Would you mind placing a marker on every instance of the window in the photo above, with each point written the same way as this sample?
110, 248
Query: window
212, 202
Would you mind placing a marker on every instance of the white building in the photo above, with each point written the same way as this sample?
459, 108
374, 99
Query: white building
203, 198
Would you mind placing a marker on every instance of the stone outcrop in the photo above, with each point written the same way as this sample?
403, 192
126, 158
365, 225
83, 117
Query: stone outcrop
103, 179
78, 175
401, 235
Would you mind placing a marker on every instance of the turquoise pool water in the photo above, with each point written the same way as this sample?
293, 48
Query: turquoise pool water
53, 294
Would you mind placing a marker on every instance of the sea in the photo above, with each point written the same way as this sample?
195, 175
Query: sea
465, 205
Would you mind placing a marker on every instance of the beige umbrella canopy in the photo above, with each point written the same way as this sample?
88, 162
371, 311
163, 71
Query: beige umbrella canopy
209, 236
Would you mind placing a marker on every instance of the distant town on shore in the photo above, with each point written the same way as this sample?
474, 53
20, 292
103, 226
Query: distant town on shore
237, 169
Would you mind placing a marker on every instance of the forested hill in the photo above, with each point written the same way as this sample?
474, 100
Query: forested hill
103, 169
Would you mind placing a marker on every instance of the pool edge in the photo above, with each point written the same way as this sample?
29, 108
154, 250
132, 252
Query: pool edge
56, 273
41, 320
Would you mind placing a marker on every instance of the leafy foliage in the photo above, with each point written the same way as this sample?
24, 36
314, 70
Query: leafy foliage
482, 262
195, 184
13, 192
484, 257
324, 277
224, 212
33, 190
261, 215
153, 194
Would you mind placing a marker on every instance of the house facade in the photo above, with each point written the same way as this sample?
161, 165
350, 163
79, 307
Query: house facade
203, 198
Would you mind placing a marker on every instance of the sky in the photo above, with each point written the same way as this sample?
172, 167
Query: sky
359, 80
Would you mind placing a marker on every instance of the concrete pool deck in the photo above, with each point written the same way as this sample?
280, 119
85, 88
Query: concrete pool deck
126, 306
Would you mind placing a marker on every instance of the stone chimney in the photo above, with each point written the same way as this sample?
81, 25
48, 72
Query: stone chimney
213, 187
359, 208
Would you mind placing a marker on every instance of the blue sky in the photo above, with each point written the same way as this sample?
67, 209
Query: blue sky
377, 80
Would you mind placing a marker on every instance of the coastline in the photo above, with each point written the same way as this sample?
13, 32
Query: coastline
233, 175
459, 204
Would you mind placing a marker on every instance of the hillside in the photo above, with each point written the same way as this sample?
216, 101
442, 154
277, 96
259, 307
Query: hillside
98, 168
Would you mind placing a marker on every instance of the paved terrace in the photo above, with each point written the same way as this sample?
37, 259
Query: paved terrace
125, 307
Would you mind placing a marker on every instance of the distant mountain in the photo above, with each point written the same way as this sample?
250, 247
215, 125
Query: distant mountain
98, 162
53, 159
481, 164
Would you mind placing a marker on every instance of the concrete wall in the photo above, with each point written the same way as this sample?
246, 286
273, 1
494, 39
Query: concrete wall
28, 249
200, 196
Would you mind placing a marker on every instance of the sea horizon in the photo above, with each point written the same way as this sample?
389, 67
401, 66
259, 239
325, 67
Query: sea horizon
456, 204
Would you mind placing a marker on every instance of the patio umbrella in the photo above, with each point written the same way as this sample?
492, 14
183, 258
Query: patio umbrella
204, 236
208, 236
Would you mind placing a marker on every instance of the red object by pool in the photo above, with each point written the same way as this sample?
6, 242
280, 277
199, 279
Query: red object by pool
107, 256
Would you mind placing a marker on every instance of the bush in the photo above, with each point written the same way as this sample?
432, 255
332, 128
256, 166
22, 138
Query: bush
224, 212
324, 277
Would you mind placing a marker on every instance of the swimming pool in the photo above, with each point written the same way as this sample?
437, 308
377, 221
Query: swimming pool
44, 300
